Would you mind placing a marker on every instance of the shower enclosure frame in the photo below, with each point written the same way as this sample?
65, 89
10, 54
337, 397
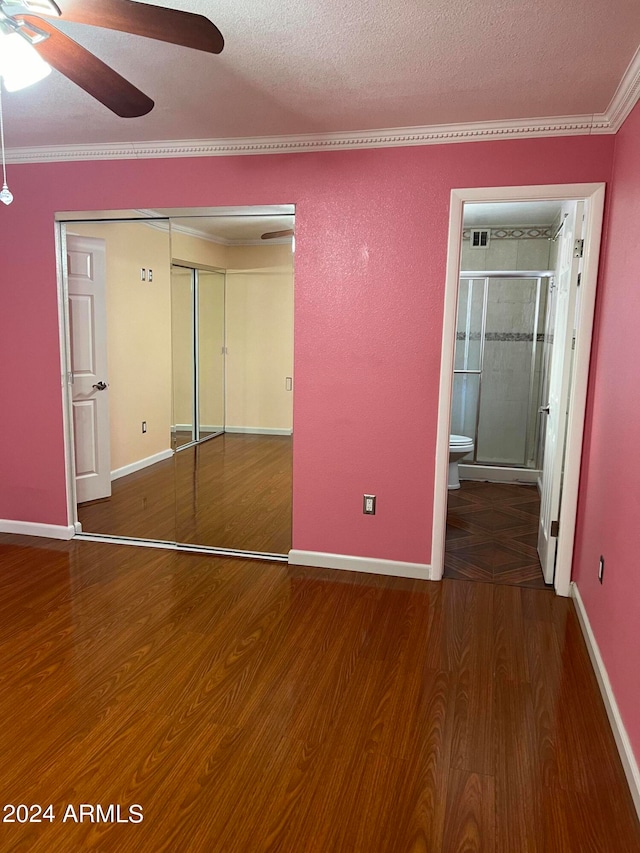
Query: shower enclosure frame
485, 276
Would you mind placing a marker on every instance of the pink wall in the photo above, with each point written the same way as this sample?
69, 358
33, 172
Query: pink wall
609, 507
371, 238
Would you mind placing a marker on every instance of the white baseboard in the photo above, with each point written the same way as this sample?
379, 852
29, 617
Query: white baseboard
31, 528
258, 430
623, 743
496, 474
140, 464
189, 427
395, 568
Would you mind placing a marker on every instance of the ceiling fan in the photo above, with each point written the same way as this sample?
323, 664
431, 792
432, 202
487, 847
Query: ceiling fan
273, 235
30, 43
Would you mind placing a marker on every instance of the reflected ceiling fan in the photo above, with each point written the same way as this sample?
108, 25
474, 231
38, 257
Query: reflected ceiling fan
30, 43
273, 235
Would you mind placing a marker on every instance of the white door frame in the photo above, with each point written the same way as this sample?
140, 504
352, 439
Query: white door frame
65, 367
593, 194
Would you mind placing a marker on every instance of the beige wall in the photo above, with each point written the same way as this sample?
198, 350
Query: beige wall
259, 336
195, 250
138, 338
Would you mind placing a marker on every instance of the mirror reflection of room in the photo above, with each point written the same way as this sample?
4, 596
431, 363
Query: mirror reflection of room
208, 343
198, 334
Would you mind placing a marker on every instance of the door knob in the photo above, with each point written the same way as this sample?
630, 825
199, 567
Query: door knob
101, 386
544, 410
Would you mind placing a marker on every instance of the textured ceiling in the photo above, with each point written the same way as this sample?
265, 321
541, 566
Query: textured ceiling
318, 66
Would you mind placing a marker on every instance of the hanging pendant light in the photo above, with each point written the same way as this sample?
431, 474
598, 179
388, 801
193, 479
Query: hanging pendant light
20, 66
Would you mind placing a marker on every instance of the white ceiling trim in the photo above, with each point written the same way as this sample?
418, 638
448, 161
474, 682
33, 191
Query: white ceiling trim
626, 95
622, 103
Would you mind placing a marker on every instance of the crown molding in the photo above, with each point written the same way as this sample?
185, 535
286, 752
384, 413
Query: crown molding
609, 122
625, 97
383, 138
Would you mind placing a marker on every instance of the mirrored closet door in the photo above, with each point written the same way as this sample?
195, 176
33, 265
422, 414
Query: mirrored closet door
191, 415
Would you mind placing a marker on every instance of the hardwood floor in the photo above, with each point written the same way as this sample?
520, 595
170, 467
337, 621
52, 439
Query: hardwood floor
258, 707
492, 534
233, 491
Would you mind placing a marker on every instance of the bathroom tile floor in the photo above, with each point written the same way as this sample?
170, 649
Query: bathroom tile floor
492, 531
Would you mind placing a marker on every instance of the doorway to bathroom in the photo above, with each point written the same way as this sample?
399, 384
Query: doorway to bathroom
516, 342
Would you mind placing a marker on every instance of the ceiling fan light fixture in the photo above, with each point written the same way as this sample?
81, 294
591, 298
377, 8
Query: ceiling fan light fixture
44, 7
20, 63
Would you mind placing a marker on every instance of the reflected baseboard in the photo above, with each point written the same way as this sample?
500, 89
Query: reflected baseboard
141, 463
258, 430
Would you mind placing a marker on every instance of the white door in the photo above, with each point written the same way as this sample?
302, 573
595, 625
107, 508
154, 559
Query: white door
86, 271
555, 411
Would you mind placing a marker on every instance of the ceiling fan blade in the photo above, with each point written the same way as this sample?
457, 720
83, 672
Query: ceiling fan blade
272, 235
90, 73
141, 19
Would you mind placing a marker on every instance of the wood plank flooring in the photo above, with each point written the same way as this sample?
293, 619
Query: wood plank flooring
258, 707
492, 534
233, 491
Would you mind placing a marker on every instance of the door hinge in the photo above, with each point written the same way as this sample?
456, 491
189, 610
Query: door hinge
579, 277
573, 342
555, 527
578, 248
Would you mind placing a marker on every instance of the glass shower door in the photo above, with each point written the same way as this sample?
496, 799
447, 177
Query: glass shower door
508, 369
468, 358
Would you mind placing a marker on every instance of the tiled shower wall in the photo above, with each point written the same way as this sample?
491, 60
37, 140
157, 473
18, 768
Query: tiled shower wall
508, 414
508, 254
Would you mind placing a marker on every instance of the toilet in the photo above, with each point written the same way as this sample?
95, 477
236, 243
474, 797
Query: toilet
459, 446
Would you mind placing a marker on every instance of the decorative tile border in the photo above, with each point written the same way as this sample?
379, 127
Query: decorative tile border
520, 232
502, 336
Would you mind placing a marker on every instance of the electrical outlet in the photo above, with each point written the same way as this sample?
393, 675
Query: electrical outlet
369, 504
143, 274
601, 569
150, 275
144, 426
